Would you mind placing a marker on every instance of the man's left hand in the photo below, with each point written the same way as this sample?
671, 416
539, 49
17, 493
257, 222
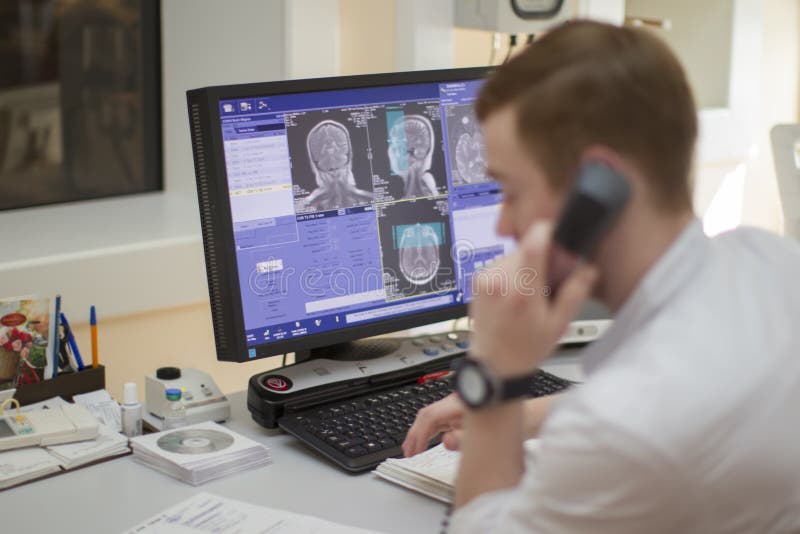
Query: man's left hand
516, 320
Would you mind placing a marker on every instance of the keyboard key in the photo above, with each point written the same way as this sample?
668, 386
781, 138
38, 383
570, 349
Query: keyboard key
354, 452
371, 446
387, 442
349, 442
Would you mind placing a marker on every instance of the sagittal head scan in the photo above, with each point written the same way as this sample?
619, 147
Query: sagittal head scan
411, 140
419, 253
330, 153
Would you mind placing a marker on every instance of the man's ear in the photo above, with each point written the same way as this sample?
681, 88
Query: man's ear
606, 155
616, 161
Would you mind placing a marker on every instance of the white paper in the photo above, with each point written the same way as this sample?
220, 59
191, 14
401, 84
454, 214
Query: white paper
107, 443
102, 406
23, 464
210, 513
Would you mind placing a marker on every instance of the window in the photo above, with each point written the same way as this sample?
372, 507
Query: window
80, 100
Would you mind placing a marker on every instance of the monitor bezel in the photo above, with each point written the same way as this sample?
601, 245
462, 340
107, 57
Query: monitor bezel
226, 247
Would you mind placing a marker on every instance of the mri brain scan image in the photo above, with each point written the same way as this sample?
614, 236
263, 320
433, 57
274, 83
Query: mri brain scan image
470, 161
329, 146
467, 153
330, 153
419, 253
411, 141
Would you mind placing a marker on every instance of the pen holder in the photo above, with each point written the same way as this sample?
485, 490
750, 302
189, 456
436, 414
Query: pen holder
63, 385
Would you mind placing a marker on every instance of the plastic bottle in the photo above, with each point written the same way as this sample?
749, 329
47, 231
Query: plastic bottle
175, 416
131, 411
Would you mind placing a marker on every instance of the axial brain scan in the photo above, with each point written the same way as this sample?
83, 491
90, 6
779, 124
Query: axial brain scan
419, 253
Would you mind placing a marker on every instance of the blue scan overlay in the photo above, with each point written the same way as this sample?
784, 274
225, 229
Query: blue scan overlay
397, 139
416, 237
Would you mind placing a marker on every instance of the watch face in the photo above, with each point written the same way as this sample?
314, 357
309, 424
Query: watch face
472, 386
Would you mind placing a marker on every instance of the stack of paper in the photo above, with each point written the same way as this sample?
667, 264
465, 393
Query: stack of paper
199, 453
433, 472
107, 443
25, 464
30, 463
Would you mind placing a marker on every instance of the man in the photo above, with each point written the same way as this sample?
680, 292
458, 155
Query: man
686, 421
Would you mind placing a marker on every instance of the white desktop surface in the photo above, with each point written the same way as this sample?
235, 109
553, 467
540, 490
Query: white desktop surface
119, 494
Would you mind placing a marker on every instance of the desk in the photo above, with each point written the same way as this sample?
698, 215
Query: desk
119, 494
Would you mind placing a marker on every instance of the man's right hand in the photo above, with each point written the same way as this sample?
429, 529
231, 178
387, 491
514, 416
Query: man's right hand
445, 417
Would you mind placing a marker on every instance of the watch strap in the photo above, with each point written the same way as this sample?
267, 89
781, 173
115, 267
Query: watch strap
518, 386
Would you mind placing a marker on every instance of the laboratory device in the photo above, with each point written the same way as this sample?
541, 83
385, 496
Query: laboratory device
63, 424
200, 395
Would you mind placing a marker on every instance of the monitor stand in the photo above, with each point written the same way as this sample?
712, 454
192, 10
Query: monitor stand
361, 349
347, 369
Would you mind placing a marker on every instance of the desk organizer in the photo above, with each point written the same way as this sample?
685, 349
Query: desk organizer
64, 385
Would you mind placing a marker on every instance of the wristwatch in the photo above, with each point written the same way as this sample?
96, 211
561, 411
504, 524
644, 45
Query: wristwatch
479, 388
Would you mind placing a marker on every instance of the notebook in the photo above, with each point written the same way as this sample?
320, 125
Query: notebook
433, 472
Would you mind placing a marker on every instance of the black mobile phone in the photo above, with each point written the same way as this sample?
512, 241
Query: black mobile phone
596, 199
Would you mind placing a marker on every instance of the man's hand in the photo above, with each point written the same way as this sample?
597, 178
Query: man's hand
445, 416
516, 322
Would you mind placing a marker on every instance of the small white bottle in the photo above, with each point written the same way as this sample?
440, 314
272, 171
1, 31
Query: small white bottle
175, 416
131, 411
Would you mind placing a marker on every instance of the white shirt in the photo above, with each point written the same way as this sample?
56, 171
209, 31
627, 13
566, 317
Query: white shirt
689, 419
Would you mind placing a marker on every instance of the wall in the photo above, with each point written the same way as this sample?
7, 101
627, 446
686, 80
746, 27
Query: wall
780, 88
703, 48
367, 36
108, 252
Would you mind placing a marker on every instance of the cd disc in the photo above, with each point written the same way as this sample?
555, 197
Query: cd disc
198, 441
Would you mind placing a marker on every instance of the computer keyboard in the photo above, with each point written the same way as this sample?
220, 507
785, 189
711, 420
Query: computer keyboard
359, 433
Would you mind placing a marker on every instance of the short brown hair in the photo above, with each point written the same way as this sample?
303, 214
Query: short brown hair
587, 83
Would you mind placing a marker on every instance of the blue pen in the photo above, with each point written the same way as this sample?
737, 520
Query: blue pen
56, 336
72, 343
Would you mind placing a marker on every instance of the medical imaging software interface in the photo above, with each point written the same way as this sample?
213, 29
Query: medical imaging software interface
358, 205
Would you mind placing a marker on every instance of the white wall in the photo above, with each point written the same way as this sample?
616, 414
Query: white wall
144, 252
208, 42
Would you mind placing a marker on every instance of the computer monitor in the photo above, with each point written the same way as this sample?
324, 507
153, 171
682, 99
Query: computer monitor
341, 208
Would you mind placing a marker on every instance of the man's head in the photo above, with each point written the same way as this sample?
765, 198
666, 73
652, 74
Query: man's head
588, 90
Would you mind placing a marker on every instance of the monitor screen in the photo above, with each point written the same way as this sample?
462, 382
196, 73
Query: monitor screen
355, 206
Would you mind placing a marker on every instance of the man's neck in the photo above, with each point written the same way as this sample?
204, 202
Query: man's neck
632, 249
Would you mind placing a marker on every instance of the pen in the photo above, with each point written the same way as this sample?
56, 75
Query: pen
56, 336
93, 328
71, 341
433, 376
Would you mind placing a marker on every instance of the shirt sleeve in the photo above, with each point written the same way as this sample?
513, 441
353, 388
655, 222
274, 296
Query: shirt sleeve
588, 476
